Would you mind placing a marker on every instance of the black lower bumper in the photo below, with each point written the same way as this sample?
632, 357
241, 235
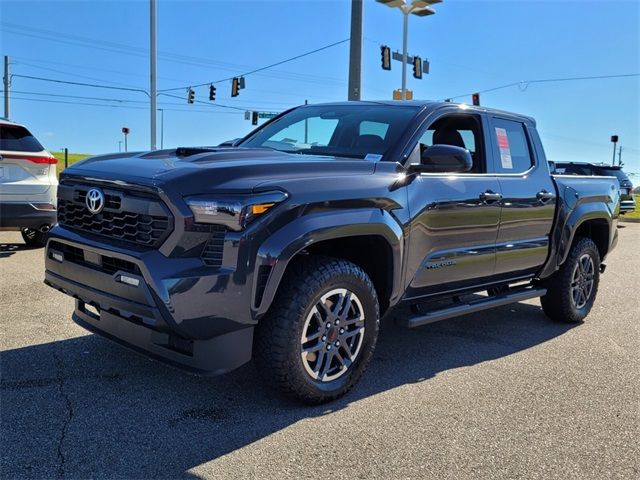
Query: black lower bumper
131, 317
205, 357
25, 215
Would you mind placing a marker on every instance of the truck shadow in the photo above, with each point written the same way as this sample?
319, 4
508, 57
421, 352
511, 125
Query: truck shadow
84, 407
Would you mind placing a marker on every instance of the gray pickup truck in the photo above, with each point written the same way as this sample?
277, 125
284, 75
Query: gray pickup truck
290, 244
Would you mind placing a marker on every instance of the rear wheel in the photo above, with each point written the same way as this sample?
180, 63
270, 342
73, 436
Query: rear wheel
572, 290
319, 335
34, 238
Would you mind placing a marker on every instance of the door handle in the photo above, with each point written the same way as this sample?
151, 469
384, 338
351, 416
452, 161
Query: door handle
489, 197
545, 196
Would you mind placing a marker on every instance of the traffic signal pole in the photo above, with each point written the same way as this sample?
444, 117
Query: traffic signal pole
153, 71
355, 52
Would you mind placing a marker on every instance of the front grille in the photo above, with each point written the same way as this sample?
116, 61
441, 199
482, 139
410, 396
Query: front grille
109, 265
126, 216
212, 253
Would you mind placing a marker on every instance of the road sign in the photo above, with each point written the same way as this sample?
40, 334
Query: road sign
397, 94
267, 115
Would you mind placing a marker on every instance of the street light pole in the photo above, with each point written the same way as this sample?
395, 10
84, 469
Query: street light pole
405, 34
419, 8
153, 91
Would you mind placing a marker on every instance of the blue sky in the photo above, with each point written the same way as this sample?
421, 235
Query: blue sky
471, 46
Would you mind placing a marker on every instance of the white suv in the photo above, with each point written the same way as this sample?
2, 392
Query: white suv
28, 184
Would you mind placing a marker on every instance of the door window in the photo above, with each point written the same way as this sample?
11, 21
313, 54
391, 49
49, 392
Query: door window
458, 130
512, 147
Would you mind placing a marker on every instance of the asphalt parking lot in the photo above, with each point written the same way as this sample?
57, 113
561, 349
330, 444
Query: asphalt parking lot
499, 394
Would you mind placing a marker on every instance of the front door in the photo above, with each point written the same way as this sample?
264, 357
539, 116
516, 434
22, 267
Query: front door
455, 217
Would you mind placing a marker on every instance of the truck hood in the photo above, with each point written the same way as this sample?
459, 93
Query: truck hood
189, 170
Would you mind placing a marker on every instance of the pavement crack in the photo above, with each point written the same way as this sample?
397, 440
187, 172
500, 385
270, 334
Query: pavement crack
63, 432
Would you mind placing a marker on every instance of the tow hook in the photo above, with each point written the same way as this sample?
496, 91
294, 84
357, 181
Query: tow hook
603, 267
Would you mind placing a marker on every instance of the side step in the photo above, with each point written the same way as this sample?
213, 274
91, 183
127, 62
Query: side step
472, 307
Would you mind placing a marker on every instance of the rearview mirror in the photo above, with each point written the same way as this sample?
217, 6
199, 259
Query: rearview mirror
444, 159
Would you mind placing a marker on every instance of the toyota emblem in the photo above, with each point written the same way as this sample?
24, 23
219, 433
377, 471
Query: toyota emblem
95, 200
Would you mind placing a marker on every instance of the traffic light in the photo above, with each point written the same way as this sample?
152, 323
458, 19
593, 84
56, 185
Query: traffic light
385, 54
212, 93
417, 67
254, 118
191, 95
241, 83
475, 99
235, 87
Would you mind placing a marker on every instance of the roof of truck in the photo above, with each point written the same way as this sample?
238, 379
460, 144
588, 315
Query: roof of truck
433, 104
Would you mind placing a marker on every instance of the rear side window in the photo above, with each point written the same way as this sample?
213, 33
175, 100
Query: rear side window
513, 154
18, 139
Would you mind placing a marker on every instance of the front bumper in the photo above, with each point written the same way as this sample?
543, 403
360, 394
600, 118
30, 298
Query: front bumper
176, 310
25, 215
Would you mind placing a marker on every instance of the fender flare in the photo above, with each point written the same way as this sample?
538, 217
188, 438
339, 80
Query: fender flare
566, 230
284, 244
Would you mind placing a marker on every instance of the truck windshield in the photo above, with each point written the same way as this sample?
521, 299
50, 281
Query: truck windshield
354, 131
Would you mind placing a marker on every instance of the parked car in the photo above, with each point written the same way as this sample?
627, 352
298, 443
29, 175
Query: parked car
28, 184
627, 200
290, 246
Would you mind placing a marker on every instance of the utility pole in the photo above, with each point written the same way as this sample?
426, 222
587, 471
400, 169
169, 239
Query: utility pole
153, 91
119, 145
355, 51
6, 86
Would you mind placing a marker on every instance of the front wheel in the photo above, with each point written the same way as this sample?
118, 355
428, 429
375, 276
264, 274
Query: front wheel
319, 335
572, 290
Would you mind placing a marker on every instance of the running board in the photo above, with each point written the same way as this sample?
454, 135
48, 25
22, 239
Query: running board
472, 307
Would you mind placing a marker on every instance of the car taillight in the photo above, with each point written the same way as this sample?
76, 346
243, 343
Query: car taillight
47, 160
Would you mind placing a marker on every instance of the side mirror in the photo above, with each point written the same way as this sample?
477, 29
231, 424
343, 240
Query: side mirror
444, 159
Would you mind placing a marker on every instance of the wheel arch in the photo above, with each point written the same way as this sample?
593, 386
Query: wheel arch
370, 238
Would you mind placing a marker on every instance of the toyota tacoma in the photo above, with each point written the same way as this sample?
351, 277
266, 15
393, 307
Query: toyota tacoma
289, 245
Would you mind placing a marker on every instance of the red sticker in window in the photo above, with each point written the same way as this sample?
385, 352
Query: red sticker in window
503, 140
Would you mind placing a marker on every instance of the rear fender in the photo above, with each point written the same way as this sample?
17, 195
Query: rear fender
571, 216
281, 247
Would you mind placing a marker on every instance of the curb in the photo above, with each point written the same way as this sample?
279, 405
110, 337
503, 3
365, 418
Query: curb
628, 220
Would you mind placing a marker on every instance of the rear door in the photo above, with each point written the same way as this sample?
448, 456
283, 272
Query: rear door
26, 168
455, 216
529, 197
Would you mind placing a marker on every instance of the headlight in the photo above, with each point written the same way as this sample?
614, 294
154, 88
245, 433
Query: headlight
233, 211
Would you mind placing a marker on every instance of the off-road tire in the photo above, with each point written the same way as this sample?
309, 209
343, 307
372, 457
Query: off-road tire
558, 304
34, 238
277, 339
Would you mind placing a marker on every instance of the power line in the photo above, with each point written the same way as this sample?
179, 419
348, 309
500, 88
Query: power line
131, 107
94, 85
261, 68
524, 84
142, 52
